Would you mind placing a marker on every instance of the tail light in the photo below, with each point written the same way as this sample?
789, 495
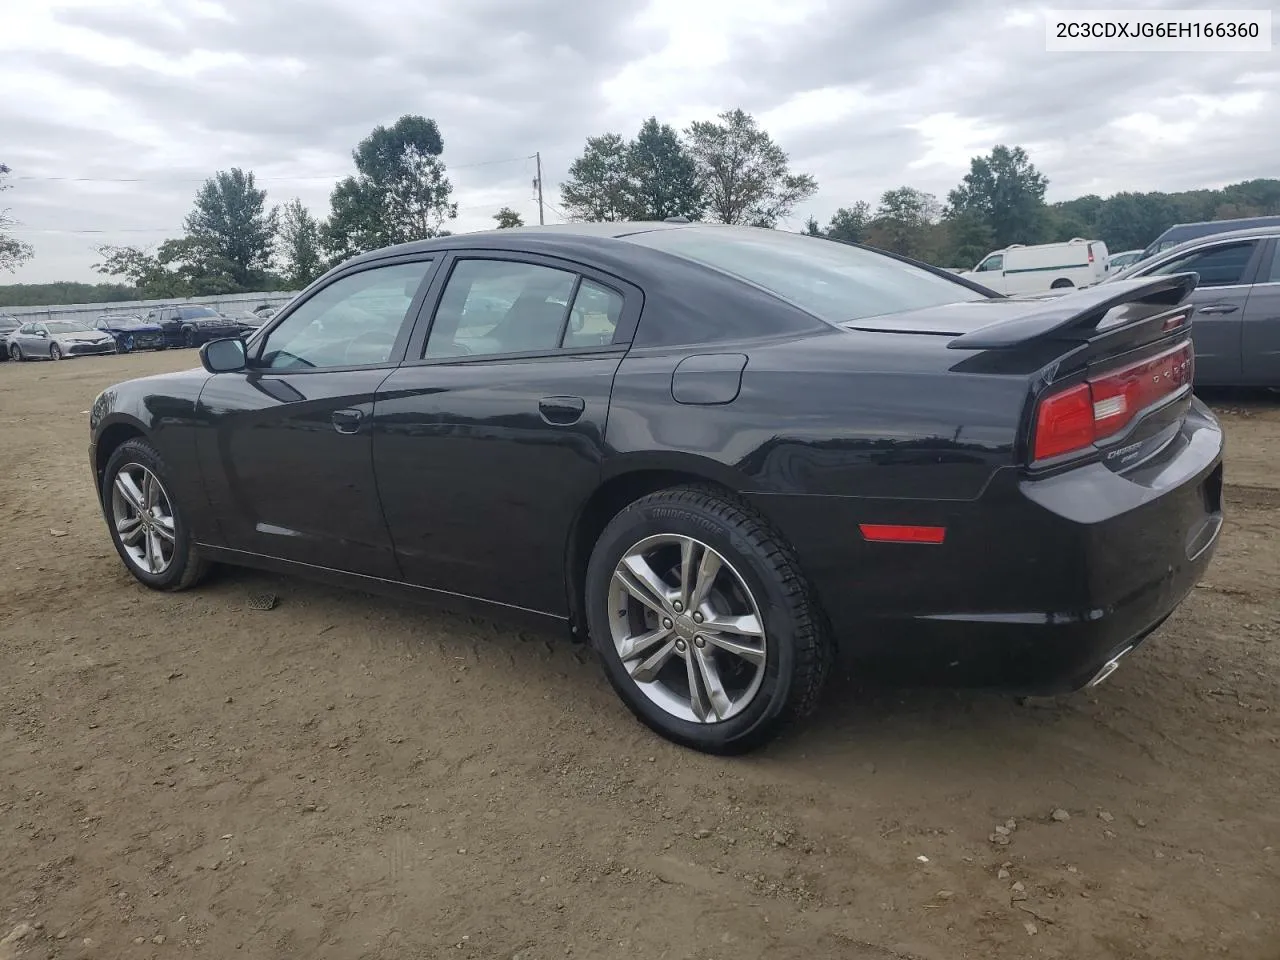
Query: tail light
1091, 253
1079, 416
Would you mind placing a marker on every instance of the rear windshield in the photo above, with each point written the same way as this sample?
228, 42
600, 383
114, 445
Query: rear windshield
833, 281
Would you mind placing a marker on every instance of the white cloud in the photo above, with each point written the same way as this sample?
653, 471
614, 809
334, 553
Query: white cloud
866, 96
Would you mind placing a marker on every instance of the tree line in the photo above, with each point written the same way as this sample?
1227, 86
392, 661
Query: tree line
1001, 201
725, 170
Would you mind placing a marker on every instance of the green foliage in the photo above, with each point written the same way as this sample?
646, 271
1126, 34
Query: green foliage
599, 185
850, 223
1007, 191
663, 177
49, 294
229, 235
508, 218
13, 252
904, 223
744, 174
400, 191
298, 244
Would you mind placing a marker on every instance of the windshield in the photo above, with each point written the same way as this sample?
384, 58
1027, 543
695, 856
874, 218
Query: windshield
834, 281
68, 326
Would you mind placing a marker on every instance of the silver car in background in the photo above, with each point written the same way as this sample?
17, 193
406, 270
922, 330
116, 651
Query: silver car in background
55, 339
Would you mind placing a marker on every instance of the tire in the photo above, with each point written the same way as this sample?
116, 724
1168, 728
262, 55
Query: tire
125, 344
189, 338
758, 573
55, 352
1061, 284
15, 354
184, 567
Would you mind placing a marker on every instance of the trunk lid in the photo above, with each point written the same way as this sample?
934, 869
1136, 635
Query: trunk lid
1109, 368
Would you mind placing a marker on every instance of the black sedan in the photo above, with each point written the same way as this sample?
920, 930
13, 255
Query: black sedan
730, 457
191, 324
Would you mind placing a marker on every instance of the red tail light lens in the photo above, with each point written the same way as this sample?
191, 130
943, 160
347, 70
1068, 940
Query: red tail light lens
1079, 416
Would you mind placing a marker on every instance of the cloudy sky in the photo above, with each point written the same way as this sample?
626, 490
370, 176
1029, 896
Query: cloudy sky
115, 110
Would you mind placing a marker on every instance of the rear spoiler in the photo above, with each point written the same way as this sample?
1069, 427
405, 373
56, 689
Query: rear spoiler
1077, 315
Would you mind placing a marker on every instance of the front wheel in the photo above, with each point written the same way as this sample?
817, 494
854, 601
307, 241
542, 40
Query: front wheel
55, 352
706, 628
146, 523
125, 343
188, 337
15, 353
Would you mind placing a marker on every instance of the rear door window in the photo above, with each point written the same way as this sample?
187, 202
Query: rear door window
1220, 266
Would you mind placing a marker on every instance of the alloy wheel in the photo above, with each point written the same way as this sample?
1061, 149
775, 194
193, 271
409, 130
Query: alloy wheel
55, 352
687, 629
143, 518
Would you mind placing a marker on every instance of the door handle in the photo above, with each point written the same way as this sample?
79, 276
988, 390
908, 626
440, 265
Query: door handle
347, 421
1218, 308
561, 410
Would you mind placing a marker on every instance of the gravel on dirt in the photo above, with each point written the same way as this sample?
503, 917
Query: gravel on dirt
332, 757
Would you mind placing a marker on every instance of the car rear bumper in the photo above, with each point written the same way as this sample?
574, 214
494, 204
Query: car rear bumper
1038, 583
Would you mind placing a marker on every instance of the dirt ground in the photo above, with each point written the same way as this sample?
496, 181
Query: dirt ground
344, 777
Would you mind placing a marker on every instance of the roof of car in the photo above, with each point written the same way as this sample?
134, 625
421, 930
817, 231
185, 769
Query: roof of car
546, 237
1248, 233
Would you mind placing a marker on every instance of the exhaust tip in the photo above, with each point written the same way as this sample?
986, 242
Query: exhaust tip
1108, 668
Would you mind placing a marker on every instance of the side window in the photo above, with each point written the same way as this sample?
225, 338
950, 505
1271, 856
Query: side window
992, 263
500, 306
1220, 266
594, 317
352, 322
1273, 275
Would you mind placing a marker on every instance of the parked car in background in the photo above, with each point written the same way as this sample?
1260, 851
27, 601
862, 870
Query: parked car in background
1182, 232
1018, 270
1119, 261
55, 339
1236, 326
726, 455
189, 325
8, 325
132, 332
251, 320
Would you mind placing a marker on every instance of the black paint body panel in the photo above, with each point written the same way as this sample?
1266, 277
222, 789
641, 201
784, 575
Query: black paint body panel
467, 479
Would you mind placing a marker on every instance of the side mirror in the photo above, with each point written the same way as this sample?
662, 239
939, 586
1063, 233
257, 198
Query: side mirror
223, 356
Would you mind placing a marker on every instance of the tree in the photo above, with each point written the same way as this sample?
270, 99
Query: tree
599, 185
850, 223
508, 218
13, 252
399, 193
663, 179
299, 244
230, 231
813, 229
904, 223
1007, 191
744, 175
967, 238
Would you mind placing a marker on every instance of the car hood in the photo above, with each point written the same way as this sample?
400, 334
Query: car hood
81, 336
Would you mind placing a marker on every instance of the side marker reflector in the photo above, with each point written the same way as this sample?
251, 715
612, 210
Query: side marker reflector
895, 533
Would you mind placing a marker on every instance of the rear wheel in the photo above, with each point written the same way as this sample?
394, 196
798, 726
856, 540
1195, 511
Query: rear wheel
188, 337
1061, 284
146, 523
55, 352
703, 621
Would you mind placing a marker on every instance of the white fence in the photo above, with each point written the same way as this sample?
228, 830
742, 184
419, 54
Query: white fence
229, 303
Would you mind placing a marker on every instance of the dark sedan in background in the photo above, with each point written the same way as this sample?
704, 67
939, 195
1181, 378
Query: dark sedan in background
8, 324
55, 339
132, 333
189, 325
728, 456
1237, 301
